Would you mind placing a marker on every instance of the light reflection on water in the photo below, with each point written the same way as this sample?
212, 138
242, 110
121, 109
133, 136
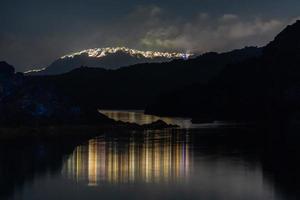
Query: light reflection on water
152, 158
165, 165
168, 164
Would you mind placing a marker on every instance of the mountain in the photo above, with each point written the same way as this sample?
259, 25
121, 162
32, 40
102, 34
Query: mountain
135, 86
108, 58
249, 83
6, 69
261, 88
24, 102
34, 101
285, 43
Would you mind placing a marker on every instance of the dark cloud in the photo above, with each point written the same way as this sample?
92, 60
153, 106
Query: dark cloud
36, 32
213, 33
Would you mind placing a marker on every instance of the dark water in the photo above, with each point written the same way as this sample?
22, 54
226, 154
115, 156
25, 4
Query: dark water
170, 164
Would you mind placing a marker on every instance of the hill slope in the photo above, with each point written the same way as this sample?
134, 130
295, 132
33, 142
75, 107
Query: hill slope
264, 87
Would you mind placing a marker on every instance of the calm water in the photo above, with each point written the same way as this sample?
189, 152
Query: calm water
170, 164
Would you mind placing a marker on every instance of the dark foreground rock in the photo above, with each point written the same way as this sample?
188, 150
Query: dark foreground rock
159, 124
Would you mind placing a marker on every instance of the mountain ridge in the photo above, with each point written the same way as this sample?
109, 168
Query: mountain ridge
266, 87
108, 58
139, 84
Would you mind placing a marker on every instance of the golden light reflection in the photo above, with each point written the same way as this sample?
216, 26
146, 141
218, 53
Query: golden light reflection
151, 158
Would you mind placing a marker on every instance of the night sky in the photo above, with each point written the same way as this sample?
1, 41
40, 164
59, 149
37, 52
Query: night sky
36, 32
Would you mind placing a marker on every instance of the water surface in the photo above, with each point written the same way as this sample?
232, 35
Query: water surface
168, 164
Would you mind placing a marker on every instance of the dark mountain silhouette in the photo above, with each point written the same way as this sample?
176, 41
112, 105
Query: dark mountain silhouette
27, 102
24, 102
6, 69
259, 88
250, 83
135, 86
107, 58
